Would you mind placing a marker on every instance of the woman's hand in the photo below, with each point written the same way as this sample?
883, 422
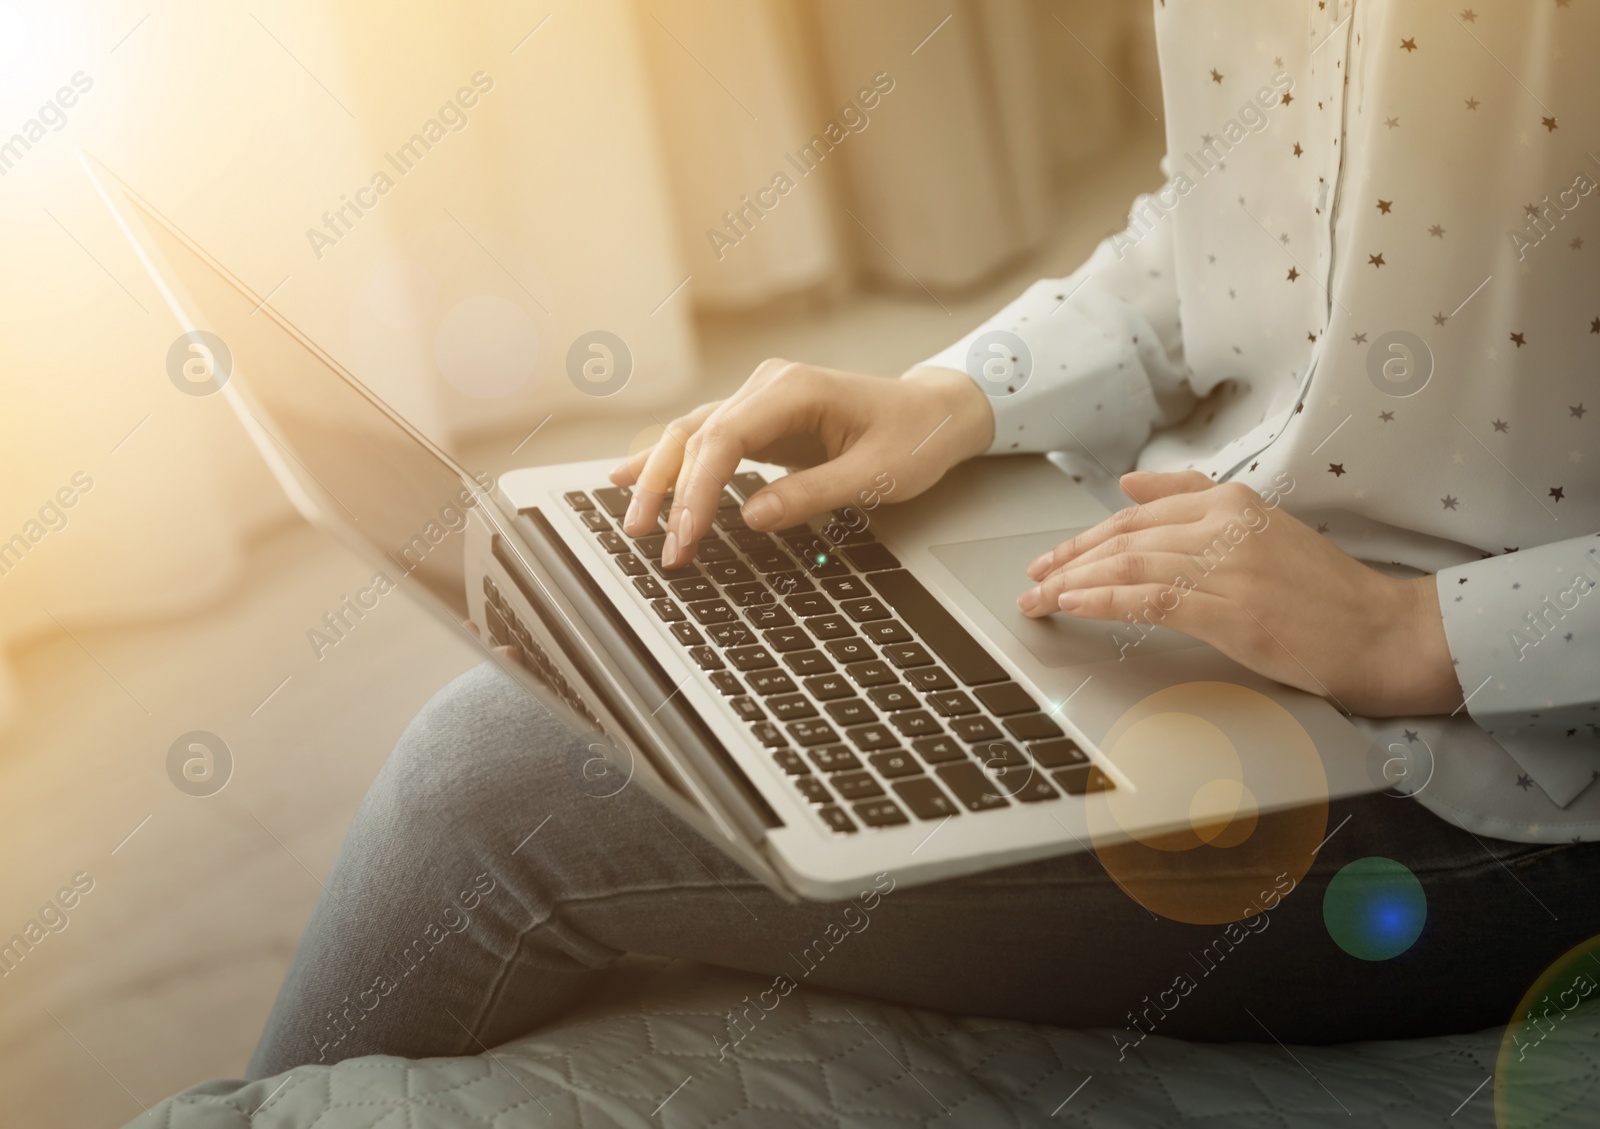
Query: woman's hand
1220, 564
845, 427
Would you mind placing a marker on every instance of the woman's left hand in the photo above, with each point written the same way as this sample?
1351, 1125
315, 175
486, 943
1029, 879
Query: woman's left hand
1219, 563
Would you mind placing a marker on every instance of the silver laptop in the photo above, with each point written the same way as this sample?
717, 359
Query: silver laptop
826, 703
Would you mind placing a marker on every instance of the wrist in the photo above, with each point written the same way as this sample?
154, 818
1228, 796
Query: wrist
971, 416
1418, 668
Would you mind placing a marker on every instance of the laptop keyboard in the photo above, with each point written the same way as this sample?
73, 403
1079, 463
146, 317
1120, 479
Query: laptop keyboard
874, 701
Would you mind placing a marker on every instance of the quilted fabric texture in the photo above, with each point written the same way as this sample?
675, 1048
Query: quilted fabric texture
648, 1055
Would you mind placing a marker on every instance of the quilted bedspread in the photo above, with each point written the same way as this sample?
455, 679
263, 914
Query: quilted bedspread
655, 1051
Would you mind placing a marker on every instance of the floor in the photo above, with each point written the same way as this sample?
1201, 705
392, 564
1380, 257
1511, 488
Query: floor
161, 974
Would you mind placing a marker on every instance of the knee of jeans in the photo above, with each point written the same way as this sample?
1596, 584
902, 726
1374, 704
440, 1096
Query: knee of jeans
478, 757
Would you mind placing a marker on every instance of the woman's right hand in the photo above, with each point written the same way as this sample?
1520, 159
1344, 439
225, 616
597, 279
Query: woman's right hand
847, 429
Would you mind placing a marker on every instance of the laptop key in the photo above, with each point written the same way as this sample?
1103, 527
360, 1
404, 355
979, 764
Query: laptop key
630, 564
846, 587
768, 615
825, 687
766, 682
729, 572
813, 731
595, 521
895, 763
836, 819
613, 542
905, 655
1006, 698
880, 813
870, 557
789, 583
870, 674
682, 572
753, 658
649, 587
814, 790
712, 611
850, 650
729, 518
833, 758
975, 790
748, 709
649, 546
768, 734
713, 550
746, 483
1000, 756
830, 627
805, 604
886, 631
791, 707
927, 678
952, 703
730, 634
1034, 789
915, 723
689, 591
705, 657
1032, 727
771, 560
751, 541
855, 785
851, 711
614, 499
783, 639
923, 612
925, 799
727, 682
667, 610
974, 729
1082, 779
895, 697
869, 738
865, 609
938, 750
1059, 753
791, 762
748, 595
578, 500
808, 662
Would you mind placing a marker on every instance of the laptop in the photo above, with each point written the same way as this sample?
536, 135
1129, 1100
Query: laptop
826, 704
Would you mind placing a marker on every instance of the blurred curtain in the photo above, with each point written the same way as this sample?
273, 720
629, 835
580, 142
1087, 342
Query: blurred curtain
608, 164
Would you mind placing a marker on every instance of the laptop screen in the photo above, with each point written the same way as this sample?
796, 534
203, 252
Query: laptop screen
361, 463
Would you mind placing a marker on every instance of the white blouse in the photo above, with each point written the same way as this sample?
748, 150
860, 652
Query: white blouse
1374, 270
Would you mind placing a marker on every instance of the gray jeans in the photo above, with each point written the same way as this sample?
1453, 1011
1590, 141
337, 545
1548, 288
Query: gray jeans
483, 888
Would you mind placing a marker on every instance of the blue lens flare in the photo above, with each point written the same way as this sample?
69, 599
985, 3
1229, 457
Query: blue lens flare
1374, 909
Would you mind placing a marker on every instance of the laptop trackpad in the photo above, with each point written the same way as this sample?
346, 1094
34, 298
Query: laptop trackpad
992, 570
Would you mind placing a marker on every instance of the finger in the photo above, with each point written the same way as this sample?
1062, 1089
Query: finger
1148, 485
1179, 509
660, 470
1197, 614
627, 472
790, 402
804, 494
1170, 570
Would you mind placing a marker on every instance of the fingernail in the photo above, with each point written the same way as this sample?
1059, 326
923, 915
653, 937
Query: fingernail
1028, 600
1041, 565
633, 512
685, 526
765, 509
1070, 601
669, 549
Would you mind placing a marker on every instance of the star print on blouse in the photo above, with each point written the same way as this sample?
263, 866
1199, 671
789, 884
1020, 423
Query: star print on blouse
1501, 425
1392, 123
1449, 502
1472, 103
1376, 260
1293, 274
1468, 16
1408, 45
1524, 781
1520, 339
1386, 417
1215, 76
1436, 231
1577, 410
1557, 493
1549, 123
1336, 469
1385, 205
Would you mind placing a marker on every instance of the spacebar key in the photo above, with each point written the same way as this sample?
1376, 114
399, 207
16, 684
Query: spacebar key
963, 654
